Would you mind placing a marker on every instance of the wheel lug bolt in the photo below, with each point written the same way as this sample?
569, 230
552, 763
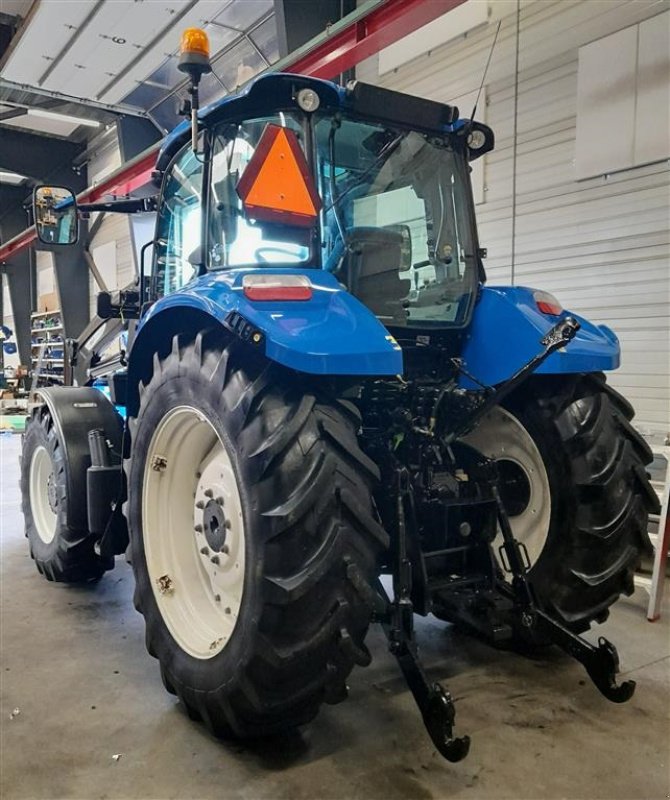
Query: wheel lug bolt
226, 610
227, 524
217, 597
209, 493
219, 500
225, 550
165, 584
198, 528
214, 559
200, 504
204, 551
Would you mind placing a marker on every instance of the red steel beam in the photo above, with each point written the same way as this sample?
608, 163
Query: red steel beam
383, 26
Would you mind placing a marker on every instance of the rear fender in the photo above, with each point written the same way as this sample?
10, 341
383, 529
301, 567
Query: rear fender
330, 334
505, 334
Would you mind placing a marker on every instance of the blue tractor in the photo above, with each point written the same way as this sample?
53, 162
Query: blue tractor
319, 389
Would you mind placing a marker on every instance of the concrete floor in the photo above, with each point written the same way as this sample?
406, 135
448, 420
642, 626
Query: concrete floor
74, 664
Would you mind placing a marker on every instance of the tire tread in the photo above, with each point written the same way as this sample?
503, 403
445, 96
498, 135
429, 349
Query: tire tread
604, 495
315, 490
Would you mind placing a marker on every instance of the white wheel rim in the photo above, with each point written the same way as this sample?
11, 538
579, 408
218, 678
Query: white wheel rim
501, 436
193, 532
41, 485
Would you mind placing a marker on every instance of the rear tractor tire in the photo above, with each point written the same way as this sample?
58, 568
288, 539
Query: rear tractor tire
61, 552
253, 537
573, 481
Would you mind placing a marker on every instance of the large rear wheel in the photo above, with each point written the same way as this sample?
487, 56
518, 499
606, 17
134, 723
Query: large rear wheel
573, 481
251, 524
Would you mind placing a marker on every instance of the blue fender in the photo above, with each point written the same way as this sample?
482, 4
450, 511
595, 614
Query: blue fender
331, 334
505, 333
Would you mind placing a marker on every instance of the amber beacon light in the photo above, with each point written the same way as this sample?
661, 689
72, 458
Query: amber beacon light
194, 61
194, 52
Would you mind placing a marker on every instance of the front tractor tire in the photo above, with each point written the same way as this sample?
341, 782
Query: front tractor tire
62, 551
251, 525
573, 480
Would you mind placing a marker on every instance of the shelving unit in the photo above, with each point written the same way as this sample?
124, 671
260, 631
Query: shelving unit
47, 348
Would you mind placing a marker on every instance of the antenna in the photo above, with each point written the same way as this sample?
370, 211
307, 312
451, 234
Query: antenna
486, 69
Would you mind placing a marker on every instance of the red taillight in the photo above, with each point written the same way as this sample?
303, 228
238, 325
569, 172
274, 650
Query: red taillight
276, 287
547, 303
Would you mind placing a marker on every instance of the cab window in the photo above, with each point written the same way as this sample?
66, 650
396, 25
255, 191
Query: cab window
179, 225
236, 240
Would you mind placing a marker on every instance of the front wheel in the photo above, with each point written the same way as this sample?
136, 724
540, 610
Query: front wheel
572, 478
251, 525
62, 551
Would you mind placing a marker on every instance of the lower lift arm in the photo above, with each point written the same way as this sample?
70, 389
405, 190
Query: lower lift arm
601, 662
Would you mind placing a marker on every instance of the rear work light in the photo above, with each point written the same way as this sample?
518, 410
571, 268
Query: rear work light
547, 303
276, 287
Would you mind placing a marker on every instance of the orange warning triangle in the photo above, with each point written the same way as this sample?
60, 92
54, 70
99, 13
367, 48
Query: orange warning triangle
276, 185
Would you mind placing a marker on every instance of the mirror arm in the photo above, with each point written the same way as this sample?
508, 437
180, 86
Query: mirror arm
132, 205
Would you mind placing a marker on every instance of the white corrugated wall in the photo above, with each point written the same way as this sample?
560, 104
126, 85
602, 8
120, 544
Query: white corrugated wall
601, 245
114, 232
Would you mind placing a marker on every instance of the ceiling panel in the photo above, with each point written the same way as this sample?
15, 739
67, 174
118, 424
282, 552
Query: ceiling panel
47, 33
145, 95
116, 51
197, 16
167, 74
15, 8
265, 38
114, 37
219, 37
239, 65
210, 14
43, 125
242, 14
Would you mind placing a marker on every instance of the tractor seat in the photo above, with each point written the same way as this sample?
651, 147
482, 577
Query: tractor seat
371, 272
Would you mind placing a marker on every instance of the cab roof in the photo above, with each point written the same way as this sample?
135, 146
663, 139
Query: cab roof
277, 91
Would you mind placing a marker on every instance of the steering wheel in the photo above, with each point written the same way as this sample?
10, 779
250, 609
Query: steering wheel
258, 254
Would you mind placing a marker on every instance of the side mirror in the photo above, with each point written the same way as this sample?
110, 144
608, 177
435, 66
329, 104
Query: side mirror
55, 212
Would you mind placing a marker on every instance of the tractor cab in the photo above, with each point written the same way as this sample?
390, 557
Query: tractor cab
298, 173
